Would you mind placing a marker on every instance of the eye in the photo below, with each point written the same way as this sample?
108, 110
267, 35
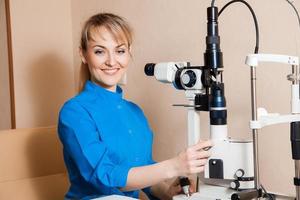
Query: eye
121, 51
99, 52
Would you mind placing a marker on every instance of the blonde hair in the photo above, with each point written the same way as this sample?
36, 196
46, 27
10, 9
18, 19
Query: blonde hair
115, 24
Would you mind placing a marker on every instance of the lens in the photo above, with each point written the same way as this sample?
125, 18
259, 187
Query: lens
149, 69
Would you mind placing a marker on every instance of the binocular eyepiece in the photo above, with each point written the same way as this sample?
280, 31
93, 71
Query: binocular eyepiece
149, 69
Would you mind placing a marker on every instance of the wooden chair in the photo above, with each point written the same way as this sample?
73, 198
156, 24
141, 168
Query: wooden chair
31, 165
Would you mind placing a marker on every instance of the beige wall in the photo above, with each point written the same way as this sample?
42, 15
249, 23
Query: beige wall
174, 30
46, 35
5, 120
43, 59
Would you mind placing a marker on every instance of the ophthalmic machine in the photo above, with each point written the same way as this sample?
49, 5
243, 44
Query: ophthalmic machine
232, 171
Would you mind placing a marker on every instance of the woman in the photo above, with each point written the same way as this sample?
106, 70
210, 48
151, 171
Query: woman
107, 140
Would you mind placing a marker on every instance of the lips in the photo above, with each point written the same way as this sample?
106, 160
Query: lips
110, 72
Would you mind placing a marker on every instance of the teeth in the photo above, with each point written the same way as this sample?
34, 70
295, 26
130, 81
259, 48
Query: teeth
110, 71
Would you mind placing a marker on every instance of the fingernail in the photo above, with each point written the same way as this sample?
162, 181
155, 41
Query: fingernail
206, 148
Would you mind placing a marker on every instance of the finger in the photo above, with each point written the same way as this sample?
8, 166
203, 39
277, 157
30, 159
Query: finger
194, 153
175, 182
177, 189
192, 187
203, 144
192, 181
202, 155
197, 169
192, 190
198, 163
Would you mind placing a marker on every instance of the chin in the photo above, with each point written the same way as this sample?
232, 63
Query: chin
110, 83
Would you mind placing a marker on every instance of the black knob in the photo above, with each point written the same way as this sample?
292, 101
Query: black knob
235, 185
240, 173
149, 69
183, 181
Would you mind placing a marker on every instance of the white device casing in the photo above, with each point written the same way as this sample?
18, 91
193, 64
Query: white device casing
253, 59
208, 192
295, 102
235, 155
266, 119
165, 72
218, 132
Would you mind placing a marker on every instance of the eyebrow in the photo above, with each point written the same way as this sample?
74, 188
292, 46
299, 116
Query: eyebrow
97, 45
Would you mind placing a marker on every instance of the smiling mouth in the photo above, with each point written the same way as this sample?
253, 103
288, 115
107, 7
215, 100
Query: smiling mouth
110, 71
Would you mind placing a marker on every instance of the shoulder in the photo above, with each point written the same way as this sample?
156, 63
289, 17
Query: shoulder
78, 102
134, 107
86, 96
73, 115
70, 107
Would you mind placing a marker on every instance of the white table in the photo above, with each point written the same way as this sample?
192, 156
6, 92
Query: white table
114, 197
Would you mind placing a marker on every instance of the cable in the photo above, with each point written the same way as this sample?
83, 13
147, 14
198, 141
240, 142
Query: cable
213, 3
296, 11
254, 18
265, 191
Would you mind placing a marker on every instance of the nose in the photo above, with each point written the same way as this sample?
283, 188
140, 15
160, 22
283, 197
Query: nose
111, 60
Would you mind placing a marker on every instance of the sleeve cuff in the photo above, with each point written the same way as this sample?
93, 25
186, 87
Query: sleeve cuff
119, 175
116, 177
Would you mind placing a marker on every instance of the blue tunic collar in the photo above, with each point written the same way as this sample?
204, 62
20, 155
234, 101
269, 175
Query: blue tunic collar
90, 86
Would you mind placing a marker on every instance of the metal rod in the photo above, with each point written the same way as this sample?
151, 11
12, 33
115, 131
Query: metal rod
193, 127
295, 81
254, 131
295, 72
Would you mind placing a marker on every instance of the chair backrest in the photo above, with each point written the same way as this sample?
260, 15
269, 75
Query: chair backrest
31, 165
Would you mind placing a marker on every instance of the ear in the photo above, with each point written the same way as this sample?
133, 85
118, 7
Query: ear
82, 56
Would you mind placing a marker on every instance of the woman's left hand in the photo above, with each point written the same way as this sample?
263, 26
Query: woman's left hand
175, 188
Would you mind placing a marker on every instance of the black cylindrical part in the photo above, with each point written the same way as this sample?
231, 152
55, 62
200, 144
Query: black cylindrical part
213, 57
177, 83
212, 18
183, 181
218, 117
246, 195
218, 110
218, 95
295, 140
149, 69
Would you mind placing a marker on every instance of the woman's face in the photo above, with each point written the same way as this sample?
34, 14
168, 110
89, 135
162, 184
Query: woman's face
106, 58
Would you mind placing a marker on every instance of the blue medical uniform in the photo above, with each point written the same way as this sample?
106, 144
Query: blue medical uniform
103, 136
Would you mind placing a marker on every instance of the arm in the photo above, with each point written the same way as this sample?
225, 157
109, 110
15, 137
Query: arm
93, 159
99, 166
190, 161
141, 177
